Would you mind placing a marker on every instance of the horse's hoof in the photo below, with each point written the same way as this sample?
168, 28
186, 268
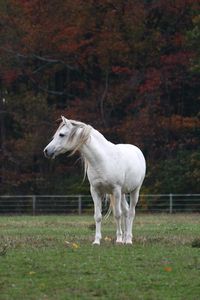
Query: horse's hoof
119, 243
129, 243
95, 243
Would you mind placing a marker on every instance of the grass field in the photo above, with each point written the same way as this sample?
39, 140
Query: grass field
51, 257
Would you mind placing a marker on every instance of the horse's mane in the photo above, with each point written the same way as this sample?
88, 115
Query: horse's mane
79, 140
82, 137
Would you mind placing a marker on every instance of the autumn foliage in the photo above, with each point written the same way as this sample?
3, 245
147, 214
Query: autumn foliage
129, 68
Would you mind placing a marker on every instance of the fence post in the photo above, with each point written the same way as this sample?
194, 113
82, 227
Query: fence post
170, 203
33, 205
79, 205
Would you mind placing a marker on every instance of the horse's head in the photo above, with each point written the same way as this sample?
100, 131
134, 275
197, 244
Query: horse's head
59, 143
69, 136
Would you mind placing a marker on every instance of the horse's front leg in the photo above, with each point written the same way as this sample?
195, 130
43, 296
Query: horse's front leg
97, 199
118, 214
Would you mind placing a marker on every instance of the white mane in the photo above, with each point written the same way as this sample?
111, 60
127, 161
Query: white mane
77, 137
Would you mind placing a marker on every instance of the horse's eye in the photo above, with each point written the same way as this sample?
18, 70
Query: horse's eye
61, 135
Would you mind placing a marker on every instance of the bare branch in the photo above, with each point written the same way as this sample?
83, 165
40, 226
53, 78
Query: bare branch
40, 58
51, 92
40, 68
53, 61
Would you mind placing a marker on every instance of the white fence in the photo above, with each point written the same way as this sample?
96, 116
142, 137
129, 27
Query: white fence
80, 204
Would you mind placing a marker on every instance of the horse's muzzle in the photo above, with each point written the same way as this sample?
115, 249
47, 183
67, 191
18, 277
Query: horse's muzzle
48, 154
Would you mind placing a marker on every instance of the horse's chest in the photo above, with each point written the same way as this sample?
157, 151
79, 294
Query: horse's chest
104, 179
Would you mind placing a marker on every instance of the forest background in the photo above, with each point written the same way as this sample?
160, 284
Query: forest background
130, 68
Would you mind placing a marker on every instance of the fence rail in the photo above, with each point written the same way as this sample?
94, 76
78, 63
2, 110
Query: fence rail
80, 204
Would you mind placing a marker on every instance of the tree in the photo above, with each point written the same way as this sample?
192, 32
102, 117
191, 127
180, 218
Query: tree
122, 66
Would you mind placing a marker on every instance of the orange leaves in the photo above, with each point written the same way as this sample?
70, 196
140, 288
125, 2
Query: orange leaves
180, 122
177, 123
168, 269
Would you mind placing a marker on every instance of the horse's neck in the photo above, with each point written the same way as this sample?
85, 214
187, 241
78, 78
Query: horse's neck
94, 150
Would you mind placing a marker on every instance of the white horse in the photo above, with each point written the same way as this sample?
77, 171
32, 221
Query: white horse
111, 169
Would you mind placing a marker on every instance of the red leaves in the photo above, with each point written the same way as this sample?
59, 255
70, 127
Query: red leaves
9, 76
121, 70
175, 59
152, 81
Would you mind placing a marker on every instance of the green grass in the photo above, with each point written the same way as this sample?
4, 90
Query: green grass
51, 257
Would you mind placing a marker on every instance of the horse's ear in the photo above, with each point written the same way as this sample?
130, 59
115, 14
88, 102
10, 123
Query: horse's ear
65, 121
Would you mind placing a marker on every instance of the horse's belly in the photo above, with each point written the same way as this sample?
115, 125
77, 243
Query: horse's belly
108, 187
130, 184
104, 183
107, 184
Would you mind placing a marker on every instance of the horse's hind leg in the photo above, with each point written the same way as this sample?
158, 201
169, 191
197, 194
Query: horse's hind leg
131, 215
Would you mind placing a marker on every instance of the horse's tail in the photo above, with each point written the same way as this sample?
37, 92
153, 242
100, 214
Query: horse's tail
111, 206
